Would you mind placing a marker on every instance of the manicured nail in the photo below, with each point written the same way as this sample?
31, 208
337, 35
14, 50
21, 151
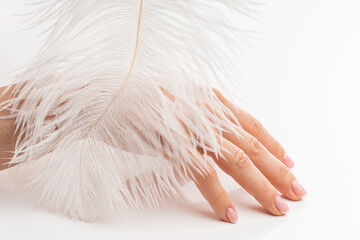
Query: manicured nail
281, 204
298, 189
288, 161
231, 215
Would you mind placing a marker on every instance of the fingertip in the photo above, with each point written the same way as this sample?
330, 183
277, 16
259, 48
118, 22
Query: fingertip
281, 205
288, 161
298, 189
231, 215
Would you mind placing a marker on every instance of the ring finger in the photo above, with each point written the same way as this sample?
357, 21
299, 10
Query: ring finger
238, 165
275, 171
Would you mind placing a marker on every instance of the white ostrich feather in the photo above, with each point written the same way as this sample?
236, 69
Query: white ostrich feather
94, 102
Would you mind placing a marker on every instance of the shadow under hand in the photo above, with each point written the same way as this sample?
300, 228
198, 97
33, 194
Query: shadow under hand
253, 222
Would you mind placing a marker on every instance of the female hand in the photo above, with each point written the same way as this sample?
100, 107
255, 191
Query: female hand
257, 162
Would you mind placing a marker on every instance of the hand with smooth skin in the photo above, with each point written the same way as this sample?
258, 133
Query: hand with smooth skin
256, 161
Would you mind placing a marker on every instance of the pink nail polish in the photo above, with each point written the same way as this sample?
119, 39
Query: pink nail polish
288, 161
298, 189
281, 204
231, 215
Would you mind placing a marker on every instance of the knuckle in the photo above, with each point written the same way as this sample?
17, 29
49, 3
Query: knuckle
255, 147
285, 173
256, 125
267, 189
241, 160
219, 198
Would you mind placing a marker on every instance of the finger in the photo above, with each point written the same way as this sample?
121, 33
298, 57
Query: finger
256, 129
278, 174
212, 190
238, 165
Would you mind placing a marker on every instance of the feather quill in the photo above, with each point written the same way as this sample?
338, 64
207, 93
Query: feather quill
94, 103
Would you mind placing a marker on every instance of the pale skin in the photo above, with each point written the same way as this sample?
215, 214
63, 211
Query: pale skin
257, 162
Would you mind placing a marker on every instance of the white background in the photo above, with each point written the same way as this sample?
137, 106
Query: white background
302, 82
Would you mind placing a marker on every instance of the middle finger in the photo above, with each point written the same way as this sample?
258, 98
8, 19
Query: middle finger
278, 174
238, 165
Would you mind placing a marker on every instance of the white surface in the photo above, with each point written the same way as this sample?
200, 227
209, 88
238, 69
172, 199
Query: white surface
302, 83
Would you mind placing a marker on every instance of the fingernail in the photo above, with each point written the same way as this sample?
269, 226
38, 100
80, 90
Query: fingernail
231, 215
281, 204
288, 161
298, 189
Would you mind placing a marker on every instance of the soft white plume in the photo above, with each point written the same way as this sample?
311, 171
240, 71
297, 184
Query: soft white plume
94, 103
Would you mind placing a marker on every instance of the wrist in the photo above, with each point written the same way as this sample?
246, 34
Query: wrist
7, 138
7, 141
